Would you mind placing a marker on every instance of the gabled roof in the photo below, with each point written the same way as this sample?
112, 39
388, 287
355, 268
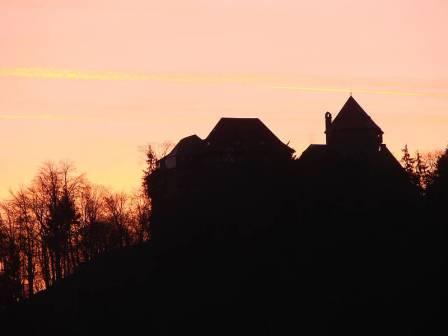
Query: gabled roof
247, 131
352, 116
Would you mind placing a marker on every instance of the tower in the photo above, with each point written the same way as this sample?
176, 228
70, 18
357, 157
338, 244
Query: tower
353, 128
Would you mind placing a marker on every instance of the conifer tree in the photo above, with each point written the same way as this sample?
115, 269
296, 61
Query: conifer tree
408, 163
421, 171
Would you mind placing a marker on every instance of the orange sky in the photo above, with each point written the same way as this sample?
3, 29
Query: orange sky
93, 81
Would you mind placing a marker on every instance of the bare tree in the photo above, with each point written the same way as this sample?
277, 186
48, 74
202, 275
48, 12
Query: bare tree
11, 278
141, 209
61, 220
119, 215
56, 188
96, 232
26, 225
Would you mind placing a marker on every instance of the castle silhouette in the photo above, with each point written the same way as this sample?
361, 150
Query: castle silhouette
247, 239
353, 174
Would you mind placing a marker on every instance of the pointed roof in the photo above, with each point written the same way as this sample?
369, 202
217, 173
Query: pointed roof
352, 116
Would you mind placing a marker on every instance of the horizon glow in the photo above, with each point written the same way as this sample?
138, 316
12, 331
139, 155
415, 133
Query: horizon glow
94, 81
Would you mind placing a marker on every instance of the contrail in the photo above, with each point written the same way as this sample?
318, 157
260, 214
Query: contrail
367, 91
31, 117
44, 73
47, 73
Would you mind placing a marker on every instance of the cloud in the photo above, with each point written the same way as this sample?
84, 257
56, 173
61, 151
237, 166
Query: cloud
47, 73
30, 117
55, 74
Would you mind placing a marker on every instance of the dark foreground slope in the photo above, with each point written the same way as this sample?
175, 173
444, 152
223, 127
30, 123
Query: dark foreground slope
266, 285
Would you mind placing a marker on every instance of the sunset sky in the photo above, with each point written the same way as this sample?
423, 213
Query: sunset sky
93, 81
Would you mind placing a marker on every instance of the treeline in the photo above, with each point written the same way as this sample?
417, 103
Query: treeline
61, 220
422, 168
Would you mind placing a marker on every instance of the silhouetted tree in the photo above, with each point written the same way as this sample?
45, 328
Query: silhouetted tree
151, 166
421, 168
421, 172
430, 159
119, 216
39, 210
59, 221
438, 187
142, 216
20, 206
10, 276
57, 188
94, 231
152, 158
408, 163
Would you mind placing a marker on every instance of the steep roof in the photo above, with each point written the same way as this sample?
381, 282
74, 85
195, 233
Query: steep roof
248, 131
352, 116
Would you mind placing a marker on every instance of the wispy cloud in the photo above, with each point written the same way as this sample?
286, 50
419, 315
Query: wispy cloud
47, 73
275, 82
32, 117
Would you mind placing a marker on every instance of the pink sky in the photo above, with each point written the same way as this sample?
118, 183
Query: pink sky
162, 70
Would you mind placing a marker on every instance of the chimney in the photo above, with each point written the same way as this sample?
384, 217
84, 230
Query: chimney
327, 126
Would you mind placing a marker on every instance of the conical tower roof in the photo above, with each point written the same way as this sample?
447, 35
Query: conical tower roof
352, 116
